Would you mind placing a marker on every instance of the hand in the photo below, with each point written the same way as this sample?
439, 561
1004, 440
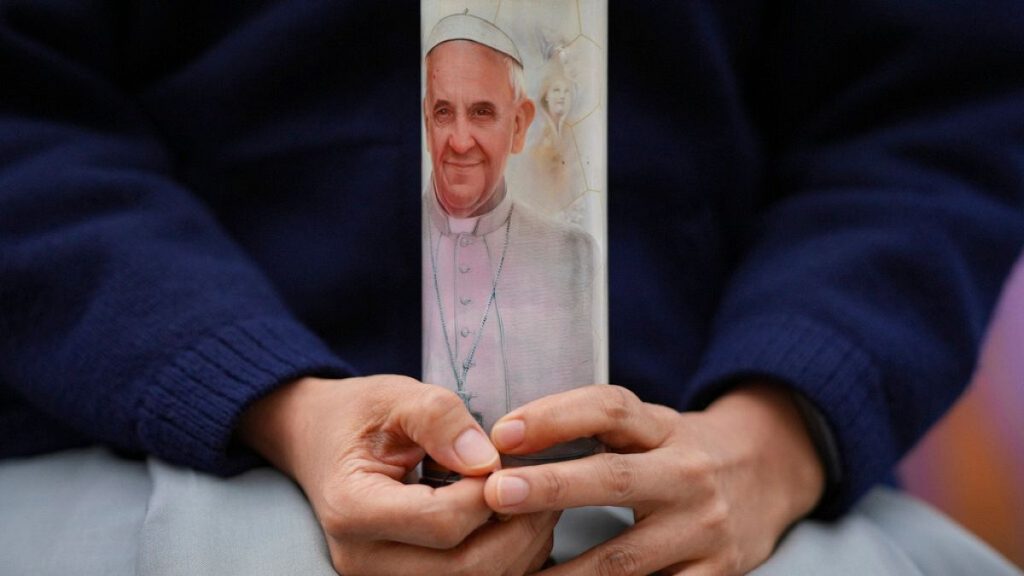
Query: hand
348, 443
711, 492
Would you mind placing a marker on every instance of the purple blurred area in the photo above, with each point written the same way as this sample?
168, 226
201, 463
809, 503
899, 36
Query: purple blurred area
971, 465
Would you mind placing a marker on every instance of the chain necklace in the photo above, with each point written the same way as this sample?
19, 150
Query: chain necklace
460, 377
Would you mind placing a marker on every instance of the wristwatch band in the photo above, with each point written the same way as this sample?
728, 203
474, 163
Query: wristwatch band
825, 445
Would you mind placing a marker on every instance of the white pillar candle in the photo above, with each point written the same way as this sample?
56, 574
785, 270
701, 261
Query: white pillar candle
514, 204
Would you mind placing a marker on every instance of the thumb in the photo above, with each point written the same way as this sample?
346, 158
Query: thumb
437, 420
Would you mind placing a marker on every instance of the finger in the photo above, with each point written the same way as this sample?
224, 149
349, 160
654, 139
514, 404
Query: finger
494, 549
600, 480
692, 568
510, 547
437, 420
376, 507
542, 557
642, 549
539, 551
611, 413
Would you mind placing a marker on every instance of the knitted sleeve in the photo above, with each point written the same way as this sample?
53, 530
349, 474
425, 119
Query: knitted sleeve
126, 314
895, 147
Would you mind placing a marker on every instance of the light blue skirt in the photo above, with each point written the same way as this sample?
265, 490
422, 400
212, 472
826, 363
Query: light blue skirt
88, 512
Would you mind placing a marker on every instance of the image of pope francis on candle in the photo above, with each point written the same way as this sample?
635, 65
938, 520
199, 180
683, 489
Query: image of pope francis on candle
507, 292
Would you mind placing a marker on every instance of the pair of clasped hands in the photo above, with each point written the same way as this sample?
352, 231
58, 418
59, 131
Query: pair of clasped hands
711, 491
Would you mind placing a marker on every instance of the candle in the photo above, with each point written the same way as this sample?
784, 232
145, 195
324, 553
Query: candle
514, 205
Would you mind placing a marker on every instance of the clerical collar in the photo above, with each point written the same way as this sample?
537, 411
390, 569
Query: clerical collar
477, 225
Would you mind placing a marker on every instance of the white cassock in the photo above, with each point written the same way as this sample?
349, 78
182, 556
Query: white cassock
535, 336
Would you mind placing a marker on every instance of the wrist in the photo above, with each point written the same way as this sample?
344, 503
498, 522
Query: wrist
776, 441
267, 425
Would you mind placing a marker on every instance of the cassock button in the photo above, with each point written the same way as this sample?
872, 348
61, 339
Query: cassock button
465, 241
464, 269
465, 301
465, 332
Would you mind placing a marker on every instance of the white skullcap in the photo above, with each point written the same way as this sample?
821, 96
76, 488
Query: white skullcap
475, 29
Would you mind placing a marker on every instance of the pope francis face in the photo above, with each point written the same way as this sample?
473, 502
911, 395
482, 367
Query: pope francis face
473, 122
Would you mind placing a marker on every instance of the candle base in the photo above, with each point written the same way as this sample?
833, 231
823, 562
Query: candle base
436, 476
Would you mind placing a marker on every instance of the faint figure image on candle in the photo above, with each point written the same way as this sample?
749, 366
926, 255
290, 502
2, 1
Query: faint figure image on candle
551, 154
556, 101
507, 292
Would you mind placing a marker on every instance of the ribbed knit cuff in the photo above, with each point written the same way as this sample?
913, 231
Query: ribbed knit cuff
190, 408
833, 373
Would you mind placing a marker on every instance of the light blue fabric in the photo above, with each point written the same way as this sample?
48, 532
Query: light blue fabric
87, 512
76, 512
255, 523
888, 532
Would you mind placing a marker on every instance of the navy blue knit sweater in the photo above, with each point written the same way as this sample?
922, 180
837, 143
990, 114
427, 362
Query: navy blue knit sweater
200, 201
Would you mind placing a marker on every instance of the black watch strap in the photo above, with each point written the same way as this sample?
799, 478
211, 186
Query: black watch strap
825, 445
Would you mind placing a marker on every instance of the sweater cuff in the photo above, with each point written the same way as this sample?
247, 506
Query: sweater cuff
834, 374
190, 408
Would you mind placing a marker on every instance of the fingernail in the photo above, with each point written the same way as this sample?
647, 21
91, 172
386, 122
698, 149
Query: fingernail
509, 434
474, 450
512, 490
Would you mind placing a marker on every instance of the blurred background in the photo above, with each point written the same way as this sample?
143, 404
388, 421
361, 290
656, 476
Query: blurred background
971, 465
